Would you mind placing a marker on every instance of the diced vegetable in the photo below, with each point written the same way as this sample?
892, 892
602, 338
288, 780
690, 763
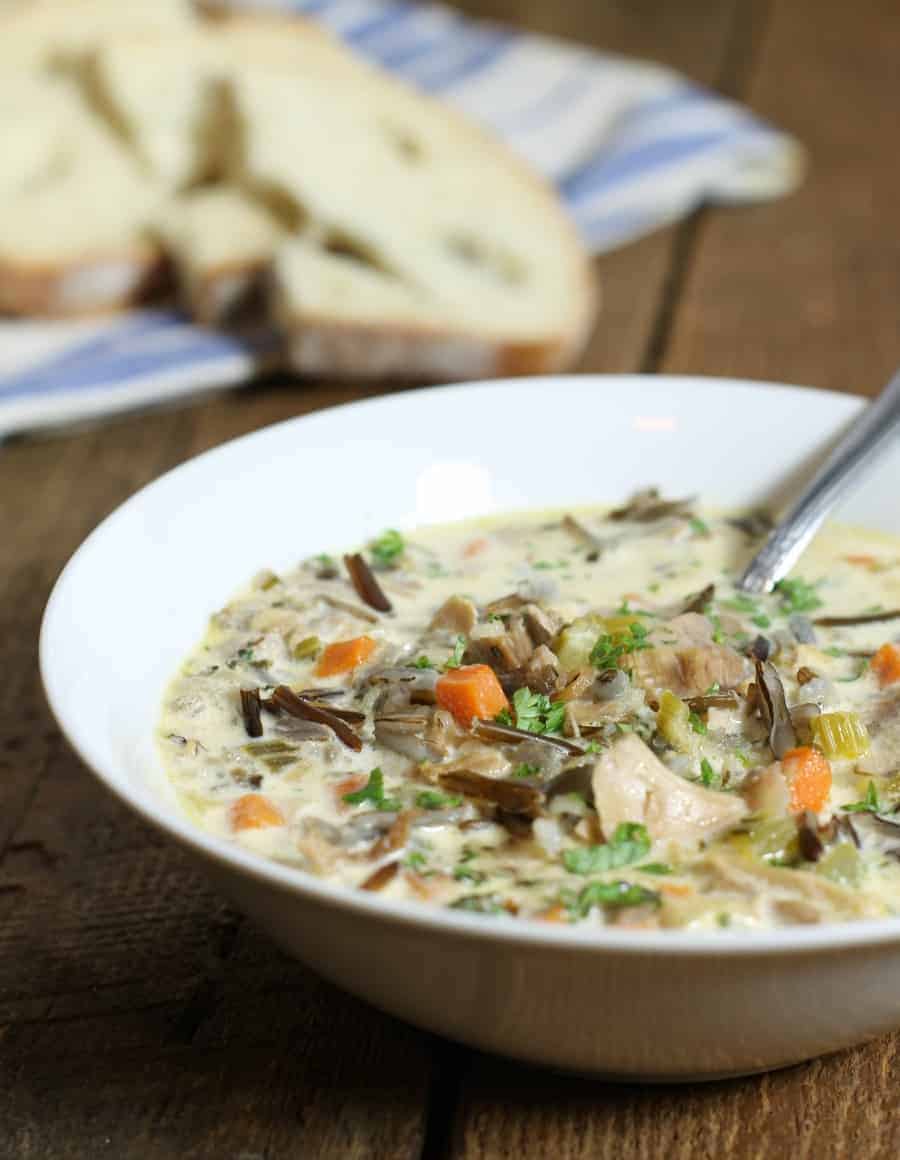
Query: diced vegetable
673, 722
809, 776
840, 735
342, 656
774, 840
253, 811
574, 644
469, 692
886, 664
599, 641
476, 547
306, 648
841, 864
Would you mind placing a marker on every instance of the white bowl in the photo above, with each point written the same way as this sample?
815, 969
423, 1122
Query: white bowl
136, 596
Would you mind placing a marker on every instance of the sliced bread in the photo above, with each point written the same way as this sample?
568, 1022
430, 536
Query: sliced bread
423, 246
390, 235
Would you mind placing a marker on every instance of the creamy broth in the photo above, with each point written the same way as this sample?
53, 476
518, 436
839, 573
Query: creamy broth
570, 716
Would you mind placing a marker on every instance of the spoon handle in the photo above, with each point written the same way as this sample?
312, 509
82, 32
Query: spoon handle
867, 438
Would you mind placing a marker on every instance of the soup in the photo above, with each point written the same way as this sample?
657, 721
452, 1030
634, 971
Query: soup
566, 716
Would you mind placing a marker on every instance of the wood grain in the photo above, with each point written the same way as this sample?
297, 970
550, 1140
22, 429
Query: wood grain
806, 289
139, 1016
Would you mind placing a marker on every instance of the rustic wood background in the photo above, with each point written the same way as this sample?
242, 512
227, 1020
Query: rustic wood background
140, 1017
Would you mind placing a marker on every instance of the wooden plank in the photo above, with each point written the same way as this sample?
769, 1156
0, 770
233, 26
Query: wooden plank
805, 290
826, 1110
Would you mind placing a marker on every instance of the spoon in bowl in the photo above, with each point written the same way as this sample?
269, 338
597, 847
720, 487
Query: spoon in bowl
867, 438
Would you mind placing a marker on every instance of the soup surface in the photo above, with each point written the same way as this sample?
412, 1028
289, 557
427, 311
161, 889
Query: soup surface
568, 716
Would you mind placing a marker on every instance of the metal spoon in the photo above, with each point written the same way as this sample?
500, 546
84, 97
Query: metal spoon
866, 440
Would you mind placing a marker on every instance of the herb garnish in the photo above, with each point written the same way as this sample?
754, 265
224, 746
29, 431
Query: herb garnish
478, 904
869, 804
707, 774
422, 663
456, 657
534, 712
526, 769
608, 648
629, 843
699, 527
797, 596
655, 868
466, 874
415, 860
432, 799
389, 546
373, 793
616, 894
697, 723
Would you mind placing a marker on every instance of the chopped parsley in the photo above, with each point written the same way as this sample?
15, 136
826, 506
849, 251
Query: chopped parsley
697, 723
699, 527
608, 648
387, 549
416, 860
533, 712
629, 843
612, 894
464, 873
741, 603
478, 904
526, 769
373, 793
432, 799
869, 804
797, 596
422, 663
707, 774
655, 868
454, 660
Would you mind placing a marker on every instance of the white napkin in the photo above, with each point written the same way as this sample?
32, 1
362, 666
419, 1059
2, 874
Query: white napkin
631, 147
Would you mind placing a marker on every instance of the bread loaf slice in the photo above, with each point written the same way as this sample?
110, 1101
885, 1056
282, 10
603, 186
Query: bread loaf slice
224, 244
391, 236
421, 247
73, 237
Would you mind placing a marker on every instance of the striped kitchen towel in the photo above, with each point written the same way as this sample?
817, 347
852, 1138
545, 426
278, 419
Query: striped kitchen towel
631, 147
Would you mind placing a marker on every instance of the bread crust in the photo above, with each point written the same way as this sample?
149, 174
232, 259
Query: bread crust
89, 285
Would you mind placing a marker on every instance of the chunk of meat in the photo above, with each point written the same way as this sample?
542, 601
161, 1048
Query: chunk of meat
631, 784
766, 791
540, 673
456, 614
688, 630
504, 647
687, 671
883, 724
541, 625
684, 659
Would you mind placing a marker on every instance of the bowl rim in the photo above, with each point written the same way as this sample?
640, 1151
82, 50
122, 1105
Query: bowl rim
835, 937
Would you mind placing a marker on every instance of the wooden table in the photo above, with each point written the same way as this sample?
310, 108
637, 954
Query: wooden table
139, 1016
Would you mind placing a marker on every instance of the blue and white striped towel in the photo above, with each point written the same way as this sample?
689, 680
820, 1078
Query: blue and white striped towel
630, 145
